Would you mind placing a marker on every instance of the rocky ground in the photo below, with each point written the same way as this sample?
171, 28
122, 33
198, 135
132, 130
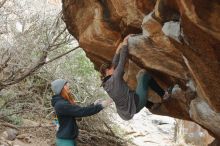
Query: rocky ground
148, 129
144, 129
32, 133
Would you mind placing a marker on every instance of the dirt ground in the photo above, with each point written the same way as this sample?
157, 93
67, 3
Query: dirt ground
34, 134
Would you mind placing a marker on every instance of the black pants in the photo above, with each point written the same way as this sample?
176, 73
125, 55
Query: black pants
156, 88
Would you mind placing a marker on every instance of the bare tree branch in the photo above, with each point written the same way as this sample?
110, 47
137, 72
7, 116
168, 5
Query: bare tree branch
53, 36
5, 64
29, 71
57, 57
2, 3
14, 113
57, 37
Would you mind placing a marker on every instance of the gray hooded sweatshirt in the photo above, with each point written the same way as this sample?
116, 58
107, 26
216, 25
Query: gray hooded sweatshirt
118, 89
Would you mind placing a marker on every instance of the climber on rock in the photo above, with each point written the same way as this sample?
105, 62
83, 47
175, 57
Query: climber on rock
129, 102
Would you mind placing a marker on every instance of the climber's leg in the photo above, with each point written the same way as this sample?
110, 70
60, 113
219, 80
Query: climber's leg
142, 87
162, 93
156, 88
145, 81
65, 142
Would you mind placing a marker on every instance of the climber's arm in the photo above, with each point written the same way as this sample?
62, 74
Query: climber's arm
119, 71
117, 56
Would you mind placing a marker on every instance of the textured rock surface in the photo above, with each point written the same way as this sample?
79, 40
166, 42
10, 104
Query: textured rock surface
178, 41
192, 134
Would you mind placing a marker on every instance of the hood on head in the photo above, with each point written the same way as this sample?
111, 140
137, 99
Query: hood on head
58, 85
55, 98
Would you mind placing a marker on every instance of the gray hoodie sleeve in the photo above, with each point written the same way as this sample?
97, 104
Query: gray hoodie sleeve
116, 59
119, 71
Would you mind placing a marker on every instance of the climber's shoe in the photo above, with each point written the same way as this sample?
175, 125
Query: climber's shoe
176, 91
172, 91
167, 94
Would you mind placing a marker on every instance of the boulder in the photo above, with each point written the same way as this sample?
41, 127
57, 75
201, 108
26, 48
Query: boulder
177, 41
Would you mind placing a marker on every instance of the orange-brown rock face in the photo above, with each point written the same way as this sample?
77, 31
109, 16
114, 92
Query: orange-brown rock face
177, 41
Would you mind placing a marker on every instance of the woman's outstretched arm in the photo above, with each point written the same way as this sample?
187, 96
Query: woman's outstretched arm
67, 109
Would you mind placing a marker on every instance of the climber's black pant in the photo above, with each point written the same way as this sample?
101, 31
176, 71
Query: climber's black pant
156, 88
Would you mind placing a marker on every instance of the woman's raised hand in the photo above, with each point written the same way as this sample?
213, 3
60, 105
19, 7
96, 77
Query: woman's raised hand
98, 101
104, 102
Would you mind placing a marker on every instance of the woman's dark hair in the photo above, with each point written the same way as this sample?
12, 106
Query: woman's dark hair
103, 67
